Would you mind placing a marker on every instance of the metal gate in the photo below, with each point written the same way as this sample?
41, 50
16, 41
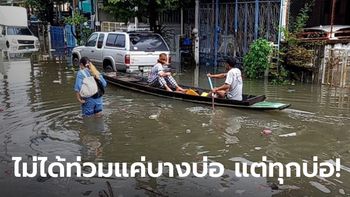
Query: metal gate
336, 69
57, 38
62, 39
69, 37
239, 24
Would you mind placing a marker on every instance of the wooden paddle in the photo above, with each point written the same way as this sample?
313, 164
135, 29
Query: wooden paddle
212, 93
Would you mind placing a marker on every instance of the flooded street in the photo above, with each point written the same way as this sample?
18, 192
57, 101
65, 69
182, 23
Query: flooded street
39, 115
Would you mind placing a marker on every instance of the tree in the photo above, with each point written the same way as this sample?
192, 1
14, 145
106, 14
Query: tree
296, 55
44, 8
124, 10
77, 20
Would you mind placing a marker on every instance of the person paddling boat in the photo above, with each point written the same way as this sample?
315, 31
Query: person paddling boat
233, 86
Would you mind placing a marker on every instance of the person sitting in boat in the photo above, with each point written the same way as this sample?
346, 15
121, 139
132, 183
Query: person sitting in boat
232, 88
159, 77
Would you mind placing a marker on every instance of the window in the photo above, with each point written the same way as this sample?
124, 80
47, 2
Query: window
92, 40
111, 40
23, 31
2, 30
115, 40
100, 40
147, 42
120, 42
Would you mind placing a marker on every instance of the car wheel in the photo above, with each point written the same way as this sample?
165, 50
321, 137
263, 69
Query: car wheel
75, 61
108, 68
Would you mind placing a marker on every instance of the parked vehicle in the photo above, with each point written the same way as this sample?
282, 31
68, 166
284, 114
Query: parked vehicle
14, 33
339, 32
123, 51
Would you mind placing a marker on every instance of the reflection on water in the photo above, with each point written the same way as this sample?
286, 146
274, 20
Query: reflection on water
40, 116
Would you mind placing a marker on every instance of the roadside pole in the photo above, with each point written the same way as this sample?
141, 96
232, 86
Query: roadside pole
216, 32
182, 21
49, 36
282, 20
178, 39
282, 25
136, 19
97, 18
196, 45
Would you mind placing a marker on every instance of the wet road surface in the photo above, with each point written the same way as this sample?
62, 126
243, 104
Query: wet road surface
39, 115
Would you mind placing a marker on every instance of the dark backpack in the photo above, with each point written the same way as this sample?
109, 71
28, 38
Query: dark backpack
100, 91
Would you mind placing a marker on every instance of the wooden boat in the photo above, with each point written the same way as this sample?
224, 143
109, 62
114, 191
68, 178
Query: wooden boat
140, 84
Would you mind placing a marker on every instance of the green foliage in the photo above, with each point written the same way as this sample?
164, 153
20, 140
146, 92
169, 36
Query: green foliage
294, 54
85, 34
299, 56
257, 60
43, 9
122, 11
302, 18
165, 4
78, 20
148, 10
281, 77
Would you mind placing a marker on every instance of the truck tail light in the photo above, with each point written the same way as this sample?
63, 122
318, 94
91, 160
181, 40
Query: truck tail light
127, 59
169, 59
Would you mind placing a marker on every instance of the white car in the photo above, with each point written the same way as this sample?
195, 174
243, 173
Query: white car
122, 51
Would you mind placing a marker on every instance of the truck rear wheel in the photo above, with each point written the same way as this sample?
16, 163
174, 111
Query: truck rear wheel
107, 66
75, 60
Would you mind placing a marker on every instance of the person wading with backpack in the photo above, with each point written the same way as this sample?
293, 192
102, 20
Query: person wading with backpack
89, 88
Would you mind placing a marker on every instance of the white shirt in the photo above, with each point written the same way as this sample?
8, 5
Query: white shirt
234, 79
156, 69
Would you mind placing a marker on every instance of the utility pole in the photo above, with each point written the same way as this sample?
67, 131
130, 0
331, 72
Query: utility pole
182, 21
196, 33
216, 32
256, 22
136, 19
97, 18
332, 17
196, 44
282, 21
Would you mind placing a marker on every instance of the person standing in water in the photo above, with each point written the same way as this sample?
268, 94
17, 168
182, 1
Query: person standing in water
92, 105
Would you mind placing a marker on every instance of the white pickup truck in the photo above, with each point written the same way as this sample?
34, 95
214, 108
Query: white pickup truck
122, 51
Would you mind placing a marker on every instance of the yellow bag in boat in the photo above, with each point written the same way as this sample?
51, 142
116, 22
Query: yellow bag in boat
192, 92
205, 94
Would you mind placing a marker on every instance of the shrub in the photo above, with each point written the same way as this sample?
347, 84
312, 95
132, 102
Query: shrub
257, 60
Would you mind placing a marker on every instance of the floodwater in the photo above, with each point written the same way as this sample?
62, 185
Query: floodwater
39, 115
